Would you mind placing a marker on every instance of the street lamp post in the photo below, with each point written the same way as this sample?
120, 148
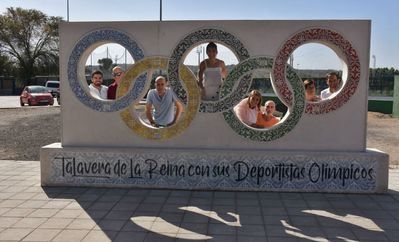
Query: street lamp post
160, 10
67, 10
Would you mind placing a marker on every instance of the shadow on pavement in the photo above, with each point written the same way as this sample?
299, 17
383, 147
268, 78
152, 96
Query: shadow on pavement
174, 215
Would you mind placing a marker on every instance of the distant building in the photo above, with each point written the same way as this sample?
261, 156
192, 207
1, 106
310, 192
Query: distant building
7, 85
41, 80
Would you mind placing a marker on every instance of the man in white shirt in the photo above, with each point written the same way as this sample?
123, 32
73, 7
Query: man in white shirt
333, 85
97, 90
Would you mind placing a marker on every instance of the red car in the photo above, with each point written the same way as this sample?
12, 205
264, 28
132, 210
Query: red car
36, 95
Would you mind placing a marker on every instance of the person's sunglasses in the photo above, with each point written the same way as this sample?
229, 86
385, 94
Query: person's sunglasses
117, 73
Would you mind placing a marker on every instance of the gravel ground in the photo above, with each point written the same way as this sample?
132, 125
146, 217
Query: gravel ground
24, 130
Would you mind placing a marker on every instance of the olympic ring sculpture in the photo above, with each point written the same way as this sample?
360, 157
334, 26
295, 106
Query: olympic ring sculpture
235, 87
201, 36
289, 121
324, 36
188, 115
78, 51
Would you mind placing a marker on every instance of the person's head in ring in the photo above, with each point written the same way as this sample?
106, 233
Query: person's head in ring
310, 89
254, 99
118, 73
160, 84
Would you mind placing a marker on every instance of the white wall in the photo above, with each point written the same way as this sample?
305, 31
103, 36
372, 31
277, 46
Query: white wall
340, 130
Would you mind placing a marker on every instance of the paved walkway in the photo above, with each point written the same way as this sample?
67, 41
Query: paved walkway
29, 212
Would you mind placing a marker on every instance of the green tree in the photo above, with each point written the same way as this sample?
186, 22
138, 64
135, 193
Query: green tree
105, 64
383, 71
6, 66
30, 39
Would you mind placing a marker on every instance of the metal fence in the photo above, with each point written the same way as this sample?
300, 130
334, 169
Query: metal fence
381, 85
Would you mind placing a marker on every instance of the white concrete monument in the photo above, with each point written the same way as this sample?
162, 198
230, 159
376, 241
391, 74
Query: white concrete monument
317, 146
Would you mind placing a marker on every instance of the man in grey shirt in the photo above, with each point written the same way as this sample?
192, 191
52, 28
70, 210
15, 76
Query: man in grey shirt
160, 105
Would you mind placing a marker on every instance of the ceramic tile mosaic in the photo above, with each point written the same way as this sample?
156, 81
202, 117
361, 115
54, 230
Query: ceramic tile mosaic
111, 36
324, 36
225, 170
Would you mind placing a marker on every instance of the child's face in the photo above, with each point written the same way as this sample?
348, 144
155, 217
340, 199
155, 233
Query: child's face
310, 89
212, 52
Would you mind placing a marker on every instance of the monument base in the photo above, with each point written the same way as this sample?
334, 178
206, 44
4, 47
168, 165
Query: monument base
231, 170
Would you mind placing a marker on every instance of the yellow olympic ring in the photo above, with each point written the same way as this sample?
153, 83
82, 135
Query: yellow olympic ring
190, 83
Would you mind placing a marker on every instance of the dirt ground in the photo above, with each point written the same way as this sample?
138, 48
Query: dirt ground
383, 134
24, 130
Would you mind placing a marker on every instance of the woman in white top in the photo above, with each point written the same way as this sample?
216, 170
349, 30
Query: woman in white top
211, 73
247, 110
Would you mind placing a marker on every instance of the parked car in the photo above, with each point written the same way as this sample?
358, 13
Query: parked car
36, 95
53, 87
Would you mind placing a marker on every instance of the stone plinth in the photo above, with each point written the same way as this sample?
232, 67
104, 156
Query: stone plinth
317, 146
349, 172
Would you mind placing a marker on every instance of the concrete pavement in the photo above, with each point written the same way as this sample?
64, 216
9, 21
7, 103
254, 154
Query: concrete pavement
29, 212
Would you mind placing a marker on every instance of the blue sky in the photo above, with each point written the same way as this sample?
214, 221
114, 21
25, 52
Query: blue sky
383, 13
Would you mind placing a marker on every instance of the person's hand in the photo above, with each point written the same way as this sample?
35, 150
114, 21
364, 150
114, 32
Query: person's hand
170, 124
264, 116
257, 126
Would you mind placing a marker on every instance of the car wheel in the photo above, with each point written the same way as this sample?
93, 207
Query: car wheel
51, 104
21, 102
29, 103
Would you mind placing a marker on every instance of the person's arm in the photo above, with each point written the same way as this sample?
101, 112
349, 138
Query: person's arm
224, 69
201, 79
109, 93
148, 113
201, 75
148, 109
259, 121
179, 110
105, 93
322, 95
241, 113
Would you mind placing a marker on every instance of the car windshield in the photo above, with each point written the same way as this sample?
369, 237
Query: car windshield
37, 90
53, 84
